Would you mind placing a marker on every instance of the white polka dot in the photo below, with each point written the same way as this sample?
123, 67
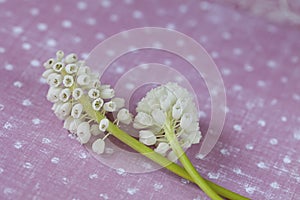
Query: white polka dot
84, 56
191, 58
296, 97
158, 186
105, 3
7, 126
76, 39
287, 160
157, 45
237, 171
93, 176
26, 46
204, 5
261, 123
27, 165
226, 35
42, 26
214, 54
104, 196
35, 63
237, 88
273, 141
1, 107
8, 191
42, 80
226, 71
275, 185
284, 79
250, 190
81, 5
100, 36
237, 127
83, 155
36, 121
66, 23
212, 175
113, 17
183, 8
120, 70
18, 145
51, 42
65, 180
1, 170
9, 67
110, 52
225, 152
17, 30
273, 102
249, 146
121, 171
2, 50
271, 64
129, 86
132, 191
170, 26
55, 160
261, 165
91, 21
296, 134
261, 83
46, 141
237, 51
295, 59
26, 102
283, 118
248, 68
34, 11
137, 14
203, 39
128, 1
2, 1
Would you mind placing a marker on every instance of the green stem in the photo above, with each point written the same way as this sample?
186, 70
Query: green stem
149, 153
170, 134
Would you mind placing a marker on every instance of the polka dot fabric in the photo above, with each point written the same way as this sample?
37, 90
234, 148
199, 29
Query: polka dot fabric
257, 54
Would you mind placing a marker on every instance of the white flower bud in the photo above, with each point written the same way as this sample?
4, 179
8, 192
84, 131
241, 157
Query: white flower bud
107, 93
95, 130
83, 132
68, 80
54, 79
159, 116
94, 83
68, 122
147, 137
74, 124
47, 73
63, 111
59, 55
49, 63
65, 95
124, 116
71, 58
98, 146
53, 94
71, 68
83, 79
83, 70
104, 123
172, 156
97, 104
195, 137
186, 120
162, 148
142, 120
120, 102
94, 93
110, 106
58, 66
77, 93
176, 111
77, 110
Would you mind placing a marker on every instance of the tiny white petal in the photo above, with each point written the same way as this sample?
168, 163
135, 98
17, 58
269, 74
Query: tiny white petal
83, 79
176, 111
77, 93
94, 93
59, 55
186, 120
107, 93
104, 123
120, 102
162, 148
124, 116
63, 111
47, 73
68, 122
83, 132
142, 120
98, 146
95, 130
65, 95
49, 63
74, 124
71, 68
159, 116
147, 137
71, 58
54, 79
68, 80
77, 110
83, 70
53, 94
172, 156
97, 104
110, 106
58, 66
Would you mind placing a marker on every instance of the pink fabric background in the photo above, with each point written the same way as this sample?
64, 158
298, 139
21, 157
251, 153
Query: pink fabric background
257, 54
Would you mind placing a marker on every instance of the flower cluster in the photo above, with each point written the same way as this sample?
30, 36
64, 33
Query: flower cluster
170, 105
73, 90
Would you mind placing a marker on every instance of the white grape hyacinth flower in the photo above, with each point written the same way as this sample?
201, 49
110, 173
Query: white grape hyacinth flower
167, 103
75, 90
